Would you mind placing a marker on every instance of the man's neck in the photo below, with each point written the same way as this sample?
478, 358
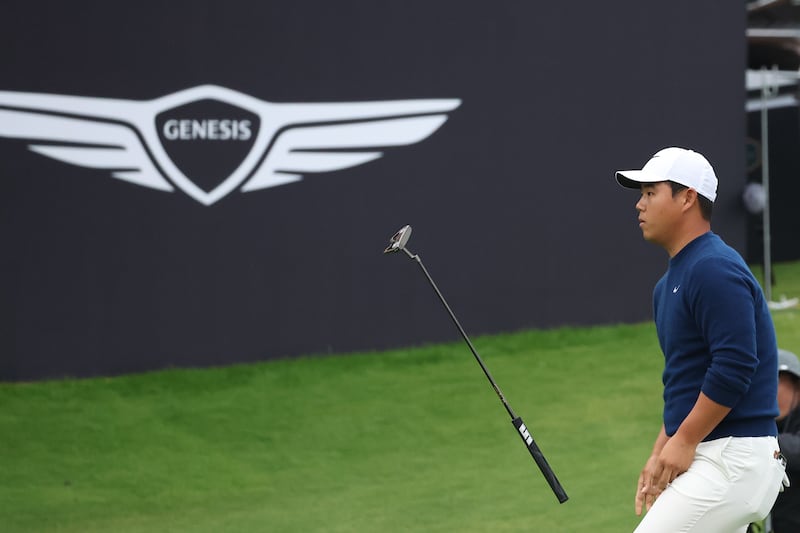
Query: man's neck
686, 237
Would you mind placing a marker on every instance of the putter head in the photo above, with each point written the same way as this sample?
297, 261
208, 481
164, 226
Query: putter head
398, 240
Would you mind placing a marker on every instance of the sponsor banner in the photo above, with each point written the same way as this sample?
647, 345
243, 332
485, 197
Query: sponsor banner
216, 185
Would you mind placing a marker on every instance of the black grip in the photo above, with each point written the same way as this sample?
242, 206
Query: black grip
538, 456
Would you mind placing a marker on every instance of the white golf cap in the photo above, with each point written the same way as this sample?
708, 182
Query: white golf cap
674, 164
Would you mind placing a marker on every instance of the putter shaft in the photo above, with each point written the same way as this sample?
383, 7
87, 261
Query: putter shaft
488, 374
402, 237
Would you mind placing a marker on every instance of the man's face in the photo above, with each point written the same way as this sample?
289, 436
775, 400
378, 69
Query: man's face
786, 394
659, 212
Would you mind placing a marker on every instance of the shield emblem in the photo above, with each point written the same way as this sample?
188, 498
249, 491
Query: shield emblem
207, 139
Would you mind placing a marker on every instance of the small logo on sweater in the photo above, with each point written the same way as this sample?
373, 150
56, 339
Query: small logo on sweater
675, 290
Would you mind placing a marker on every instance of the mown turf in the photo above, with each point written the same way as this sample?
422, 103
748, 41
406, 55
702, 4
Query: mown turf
407, 440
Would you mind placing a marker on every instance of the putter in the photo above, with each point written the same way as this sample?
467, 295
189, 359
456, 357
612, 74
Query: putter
398, 243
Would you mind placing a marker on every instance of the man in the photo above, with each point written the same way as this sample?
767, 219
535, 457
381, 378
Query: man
786, 512
715, 464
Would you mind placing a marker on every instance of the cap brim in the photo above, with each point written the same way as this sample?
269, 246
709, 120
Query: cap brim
788, 370
633, 179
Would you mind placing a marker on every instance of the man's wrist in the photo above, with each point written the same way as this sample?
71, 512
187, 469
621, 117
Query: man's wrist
686, 438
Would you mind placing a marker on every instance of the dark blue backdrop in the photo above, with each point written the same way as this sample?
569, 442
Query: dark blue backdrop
512, 200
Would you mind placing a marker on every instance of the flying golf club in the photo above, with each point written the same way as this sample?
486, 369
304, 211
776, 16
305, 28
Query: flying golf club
398, 243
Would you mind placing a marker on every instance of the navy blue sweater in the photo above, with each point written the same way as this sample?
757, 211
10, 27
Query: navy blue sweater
717, 336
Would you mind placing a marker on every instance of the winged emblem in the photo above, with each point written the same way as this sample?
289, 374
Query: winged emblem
292, 140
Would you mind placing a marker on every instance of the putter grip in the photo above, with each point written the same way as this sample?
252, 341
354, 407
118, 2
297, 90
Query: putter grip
538, 456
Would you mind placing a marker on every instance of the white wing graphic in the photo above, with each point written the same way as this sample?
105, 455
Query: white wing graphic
85, 142
293, 139
357, 135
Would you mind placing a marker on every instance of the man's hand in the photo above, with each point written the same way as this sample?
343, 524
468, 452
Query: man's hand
674, 459
645, 495
672, 456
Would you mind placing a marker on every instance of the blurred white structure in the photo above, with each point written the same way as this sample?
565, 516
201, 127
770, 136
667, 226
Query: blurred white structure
768, 82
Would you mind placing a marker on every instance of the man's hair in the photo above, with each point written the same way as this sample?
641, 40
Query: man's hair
706, 205
795, 380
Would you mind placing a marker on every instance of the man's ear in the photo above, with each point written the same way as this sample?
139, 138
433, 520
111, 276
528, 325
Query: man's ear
689, 198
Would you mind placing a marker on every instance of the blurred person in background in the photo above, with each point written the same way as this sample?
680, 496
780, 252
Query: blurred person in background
786, 512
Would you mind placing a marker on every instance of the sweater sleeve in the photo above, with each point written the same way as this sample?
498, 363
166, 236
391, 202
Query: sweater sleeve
725, 314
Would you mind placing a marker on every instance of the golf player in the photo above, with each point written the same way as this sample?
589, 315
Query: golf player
715, 465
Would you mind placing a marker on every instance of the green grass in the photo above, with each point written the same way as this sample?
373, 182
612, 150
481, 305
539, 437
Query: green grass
787, 322
406, 440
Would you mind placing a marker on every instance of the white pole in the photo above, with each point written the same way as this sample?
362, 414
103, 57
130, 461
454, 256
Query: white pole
766, 92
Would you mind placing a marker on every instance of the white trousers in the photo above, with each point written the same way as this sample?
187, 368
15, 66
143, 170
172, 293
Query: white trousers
732, 482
